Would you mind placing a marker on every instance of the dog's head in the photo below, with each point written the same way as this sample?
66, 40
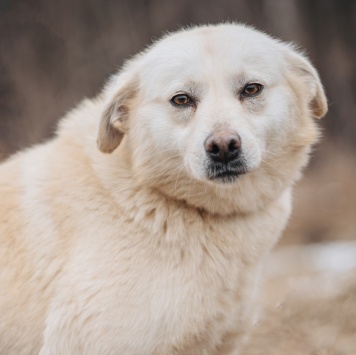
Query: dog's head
221, 115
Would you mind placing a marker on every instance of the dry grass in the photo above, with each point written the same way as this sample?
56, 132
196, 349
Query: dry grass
303, 325
306, 313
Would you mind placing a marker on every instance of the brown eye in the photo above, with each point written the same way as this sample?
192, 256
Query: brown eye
181, 100
251, 90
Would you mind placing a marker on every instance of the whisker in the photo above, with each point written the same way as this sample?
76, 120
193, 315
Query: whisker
276, 155
180, 170
173, 172
166, 160
272, 166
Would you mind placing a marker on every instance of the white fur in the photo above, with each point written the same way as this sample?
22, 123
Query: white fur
137, 251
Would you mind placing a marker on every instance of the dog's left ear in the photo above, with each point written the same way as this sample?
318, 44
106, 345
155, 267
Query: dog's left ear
303, 72
114, 119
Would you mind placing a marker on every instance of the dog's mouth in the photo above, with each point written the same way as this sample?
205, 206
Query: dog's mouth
226, 173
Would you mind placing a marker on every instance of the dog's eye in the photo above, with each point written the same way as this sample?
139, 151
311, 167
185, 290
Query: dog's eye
251, 90
181, 100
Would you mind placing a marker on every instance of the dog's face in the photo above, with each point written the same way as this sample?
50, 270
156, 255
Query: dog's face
215, 110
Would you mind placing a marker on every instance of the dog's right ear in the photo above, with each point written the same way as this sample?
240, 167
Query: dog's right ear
114, 119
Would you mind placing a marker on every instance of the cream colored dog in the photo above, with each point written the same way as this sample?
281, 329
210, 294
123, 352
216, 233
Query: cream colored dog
157, 247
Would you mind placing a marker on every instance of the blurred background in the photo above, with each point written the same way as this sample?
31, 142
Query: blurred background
55, 53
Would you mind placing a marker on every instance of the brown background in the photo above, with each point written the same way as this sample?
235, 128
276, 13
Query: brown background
54, 53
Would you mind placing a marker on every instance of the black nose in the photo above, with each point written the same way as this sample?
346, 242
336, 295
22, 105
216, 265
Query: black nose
223, 146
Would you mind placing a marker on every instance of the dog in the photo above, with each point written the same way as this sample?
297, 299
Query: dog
143, 226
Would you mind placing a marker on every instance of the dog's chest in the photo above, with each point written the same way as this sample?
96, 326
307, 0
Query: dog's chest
177, 305
193, 284
190, 282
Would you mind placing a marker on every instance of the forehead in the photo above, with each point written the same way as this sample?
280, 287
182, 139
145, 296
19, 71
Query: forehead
213, 53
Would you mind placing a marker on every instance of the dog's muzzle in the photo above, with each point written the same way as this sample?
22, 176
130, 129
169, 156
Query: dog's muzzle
223, 149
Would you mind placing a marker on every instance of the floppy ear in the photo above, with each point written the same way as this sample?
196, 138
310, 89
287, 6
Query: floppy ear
114, 119
302, 70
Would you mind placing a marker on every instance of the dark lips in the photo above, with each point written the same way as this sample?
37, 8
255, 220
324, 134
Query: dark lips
226, 173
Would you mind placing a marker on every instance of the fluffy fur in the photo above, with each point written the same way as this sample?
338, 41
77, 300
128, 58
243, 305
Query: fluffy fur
131, 248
